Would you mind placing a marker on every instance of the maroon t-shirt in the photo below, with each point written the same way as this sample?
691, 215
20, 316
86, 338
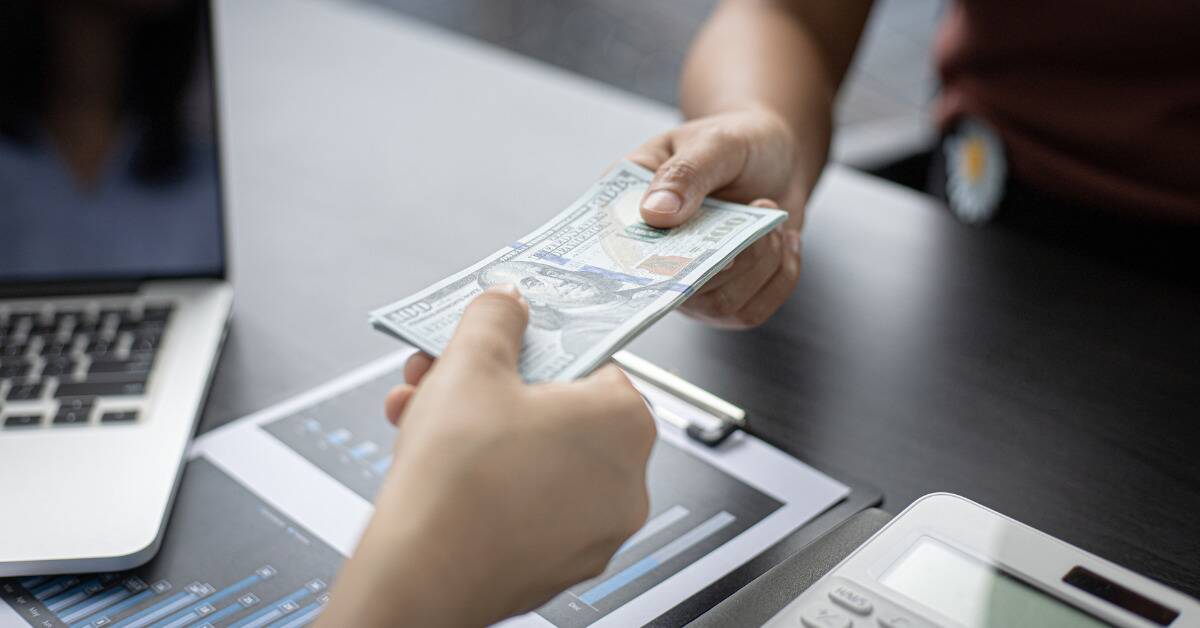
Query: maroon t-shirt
1097, 101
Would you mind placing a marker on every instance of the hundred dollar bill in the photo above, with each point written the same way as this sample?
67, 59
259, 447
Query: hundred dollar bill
595, 276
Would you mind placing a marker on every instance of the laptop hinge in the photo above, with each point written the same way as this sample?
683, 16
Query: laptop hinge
71, 288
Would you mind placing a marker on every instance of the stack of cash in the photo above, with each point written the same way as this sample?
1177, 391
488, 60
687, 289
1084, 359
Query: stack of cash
595, 276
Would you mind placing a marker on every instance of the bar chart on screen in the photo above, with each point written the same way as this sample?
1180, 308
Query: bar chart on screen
227, 560
346, 435
695, 508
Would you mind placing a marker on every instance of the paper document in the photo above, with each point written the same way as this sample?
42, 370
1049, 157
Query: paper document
270, 505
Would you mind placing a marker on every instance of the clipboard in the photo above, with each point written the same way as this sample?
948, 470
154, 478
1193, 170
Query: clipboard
728, 418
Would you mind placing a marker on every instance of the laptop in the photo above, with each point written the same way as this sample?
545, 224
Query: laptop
113, 299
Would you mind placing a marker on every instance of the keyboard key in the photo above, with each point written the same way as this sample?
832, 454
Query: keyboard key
24, 420
150, 327
42, 341
139, 364
128, 416
13, 350
25, 392
43, 330
85, 328
58, 366
158, 313
14, 369
102, 388
119, 313
100, 346
62, 315
18, 319
127, 317
70, 416
56, 348
145, 342
76, 403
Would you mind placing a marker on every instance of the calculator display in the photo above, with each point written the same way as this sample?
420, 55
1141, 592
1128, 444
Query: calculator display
974, 593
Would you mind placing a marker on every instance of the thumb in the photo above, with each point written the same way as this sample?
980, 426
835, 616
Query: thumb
490, 332
698, 168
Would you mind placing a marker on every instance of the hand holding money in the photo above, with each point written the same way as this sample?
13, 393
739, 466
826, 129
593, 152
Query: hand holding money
595, 276
744, 155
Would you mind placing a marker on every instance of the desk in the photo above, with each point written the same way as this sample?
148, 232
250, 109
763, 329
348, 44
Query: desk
369, 156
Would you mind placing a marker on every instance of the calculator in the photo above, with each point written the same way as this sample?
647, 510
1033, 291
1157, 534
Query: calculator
949, 562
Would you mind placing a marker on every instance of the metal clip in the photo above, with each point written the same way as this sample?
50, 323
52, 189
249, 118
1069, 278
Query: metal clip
730, 417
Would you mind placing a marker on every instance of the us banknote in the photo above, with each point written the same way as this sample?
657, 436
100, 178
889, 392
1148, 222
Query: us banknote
595, 276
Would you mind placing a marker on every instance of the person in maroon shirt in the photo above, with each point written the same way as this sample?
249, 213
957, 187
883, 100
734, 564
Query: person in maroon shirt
1081, 115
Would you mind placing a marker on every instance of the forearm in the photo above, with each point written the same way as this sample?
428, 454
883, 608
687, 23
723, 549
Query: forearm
772, 55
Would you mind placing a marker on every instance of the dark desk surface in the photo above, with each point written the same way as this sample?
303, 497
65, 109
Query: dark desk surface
918, 354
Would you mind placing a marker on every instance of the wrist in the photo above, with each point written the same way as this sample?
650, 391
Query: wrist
804, 150
768, 115
408, 565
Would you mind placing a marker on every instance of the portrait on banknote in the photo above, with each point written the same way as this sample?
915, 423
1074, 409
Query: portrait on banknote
584, 306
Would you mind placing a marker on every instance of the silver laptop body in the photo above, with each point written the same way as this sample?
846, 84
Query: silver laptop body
113, 299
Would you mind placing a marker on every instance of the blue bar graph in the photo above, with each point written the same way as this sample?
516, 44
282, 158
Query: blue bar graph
658, 557
363, 449
249, 563
337, 437
275, 611
74, 595
232, 589
223, 613
30, 583
303, 616
54, 587
89, 606
622, 578
116, 610
147, 616
382, 465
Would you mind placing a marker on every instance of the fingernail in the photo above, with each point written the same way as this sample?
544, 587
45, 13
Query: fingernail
662, 202
792, 237
509, 290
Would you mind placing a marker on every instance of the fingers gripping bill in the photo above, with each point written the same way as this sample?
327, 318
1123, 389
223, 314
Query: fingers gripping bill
594, 277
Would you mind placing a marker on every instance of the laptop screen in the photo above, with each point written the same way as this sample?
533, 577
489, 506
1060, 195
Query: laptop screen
108, 152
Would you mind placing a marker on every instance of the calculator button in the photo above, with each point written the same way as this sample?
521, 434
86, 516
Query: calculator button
896, 621
851, 600
824, 617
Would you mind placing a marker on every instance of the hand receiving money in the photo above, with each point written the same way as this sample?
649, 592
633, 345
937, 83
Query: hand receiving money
595, 276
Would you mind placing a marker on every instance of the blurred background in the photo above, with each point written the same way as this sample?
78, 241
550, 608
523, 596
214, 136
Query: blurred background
639, 46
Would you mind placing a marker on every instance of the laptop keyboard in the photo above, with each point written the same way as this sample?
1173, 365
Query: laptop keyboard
58, 364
